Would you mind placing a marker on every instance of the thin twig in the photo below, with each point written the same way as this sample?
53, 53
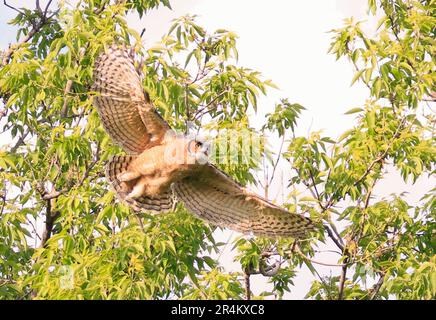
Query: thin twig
11, 7
318, 196
277, 160
298, 251
336, 241
34, 228
333, 226
92, 165
205, 108
188, 111
21, 141
3, 113
35, 28
46, 8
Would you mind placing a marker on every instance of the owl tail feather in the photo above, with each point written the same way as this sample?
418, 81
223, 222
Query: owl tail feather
119, 164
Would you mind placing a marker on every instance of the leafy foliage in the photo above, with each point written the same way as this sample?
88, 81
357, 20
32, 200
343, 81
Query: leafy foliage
58, 220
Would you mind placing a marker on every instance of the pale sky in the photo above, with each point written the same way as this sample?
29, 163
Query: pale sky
287, 41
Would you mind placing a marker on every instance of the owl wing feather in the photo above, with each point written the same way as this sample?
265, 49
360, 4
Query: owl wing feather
126, 111
215, 197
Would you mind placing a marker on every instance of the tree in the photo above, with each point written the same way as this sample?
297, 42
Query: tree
93, 247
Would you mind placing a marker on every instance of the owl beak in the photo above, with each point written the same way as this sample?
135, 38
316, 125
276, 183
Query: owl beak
201, 158
205, 148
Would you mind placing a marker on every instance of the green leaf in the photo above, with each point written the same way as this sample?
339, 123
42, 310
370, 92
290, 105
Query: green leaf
354, 110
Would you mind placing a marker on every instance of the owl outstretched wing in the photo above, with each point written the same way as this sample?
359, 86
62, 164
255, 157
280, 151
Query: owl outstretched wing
132, 122
125, 109
215, 197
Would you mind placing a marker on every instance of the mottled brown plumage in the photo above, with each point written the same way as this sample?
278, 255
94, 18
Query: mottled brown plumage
125, 110
161, 164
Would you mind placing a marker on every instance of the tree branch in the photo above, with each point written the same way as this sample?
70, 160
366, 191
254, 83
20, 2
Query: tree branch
377, 287
50, 218
36, 27
344, 274
247, 285
53, 194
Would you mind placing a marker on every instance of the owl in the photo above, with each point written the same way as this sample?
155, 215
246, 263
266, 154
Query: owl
162, 167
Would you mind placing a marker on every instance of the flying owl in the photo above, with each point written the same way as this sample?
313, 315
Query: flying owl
161, 164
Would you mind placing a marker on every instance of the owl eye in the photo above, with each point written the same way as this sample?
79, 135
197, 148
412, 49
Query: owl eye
193, 145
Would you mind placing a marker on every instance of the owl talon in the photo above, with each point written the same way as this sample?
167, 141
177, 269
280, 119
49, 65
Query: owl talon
128, 176
137, 191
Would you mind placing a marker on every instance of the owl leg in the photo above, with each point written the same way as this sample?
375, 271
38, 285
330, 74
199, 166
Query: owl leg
128, 176
139, 189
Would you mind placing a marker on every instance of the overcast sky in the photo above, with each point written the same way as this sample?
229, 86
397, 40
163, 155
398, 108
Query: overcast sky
287, 41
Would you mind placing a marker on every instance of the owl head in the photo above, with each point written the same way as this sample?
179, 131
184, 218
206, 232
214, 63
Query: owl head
198, 149
187, 149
